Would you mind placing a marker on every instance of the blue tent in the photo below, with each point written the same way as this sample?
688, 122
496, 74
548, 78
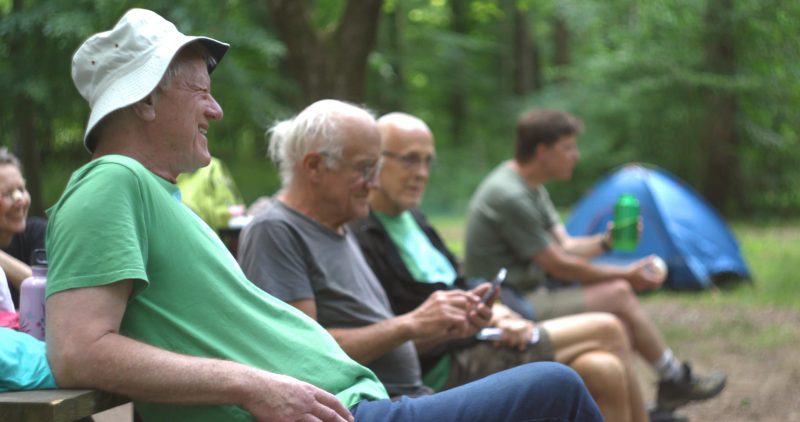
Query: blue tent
679, 226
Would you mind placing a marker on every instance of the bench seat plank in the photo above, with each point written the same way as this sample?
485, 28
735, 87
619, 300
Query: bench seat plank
55, 405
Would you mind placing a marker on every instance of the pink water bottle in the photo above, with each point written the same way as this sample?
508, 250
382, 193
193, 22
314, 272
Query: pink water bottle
31, 297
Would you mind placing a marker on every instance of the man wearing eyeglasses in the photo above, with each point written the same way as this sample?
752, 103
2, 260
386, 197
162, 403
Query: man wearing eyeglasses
412, 262
301, 251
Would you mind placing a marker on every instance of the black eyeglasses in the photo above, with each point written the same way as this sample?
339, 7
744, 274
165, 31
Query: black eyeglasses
412, 160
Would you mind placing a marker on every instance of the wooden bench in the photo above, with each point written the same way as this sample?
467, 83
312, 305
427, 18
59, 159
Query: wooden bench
55, 405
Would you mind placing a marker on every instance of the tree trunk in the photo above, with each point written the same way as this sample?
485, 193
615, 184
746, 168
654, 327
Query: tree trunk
26, 147
24, 131
458, 100
394, 97
720, 171
561, 44
505, 36
525, 66
327, 63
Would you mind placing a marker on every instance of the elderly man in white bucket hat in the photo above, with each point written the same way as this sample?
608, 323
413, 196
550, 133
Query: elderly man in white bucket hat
144, 300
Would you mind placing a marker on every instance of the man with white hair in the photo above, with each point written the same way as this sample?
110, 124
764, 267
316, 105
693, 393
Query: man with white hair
144, 300
301, 251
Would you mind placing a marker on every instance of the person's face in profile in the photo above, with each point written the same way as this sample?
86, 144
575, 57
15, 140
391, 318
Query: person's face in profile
560, 158
14, 201
408, 156
348, 181
184, 110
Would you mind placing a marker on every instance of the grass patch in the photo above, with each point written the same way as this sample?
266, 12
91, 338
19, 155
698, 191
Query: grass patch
773, 254
451, 229
739, 325
771, 250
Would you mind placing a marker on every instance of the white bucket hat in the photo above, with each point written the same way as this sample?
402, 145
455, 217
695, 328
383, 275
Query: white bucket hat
117, 68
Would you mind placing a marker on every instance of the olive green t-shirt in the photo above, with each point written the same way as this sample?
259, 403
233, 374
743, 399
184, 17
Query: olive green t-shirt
116, 220
508, 222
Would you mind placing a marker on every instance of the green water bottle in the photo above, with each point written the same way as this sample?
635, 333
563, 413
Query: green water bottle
626, 221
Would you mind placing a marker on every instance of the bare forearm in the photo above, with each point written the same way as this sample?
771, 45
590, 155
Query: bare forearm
428, 343
580, 270
121, 365
16, 270
586, 246
366, 344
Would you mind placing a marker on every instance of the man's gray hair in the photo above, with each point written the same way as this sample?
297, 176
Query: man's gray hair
316, 129
6, 157
179, 62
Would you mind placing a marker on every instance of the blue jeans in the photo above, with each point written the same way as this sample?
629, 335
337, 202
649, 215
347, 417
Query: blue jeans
543, 391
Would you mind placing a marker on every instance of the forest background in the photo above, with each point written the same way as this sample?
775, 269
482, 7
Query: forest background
707, 89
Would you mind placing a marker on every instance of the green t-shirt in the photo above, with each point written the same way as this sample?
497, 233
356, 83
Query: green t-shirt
425, 263
508, 222
116, 220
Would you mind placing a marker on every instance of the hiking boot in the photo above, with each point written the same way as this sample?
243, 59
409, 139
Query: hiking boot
657, 415
673, 394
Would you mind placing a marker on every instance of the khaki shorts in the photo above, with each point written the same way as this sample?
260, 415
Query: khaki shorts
553, 303
482, 359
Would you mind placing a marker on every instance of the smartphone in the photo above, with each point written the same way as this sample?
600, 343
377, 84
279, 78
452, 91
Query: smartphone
498, 279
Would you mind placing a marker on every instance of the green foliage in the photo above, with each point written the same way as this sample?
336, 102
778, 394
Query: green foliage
639, 82
326, 13
249, 85
637, 75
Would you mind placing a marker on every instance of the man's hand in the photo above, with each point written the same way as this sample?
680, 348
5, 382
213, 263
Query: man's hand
481, 314
607, 240
501, 312
452, 312
641, 277
517, 332
283, 398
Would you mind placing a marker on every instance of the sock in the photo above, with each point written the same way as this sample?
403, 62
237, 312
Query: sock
669, 368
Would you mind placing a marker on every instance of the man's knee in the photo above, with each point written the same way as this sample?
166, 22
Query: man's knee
621, 288
549, 375
611, 330
615, 295
601, 369
551, 388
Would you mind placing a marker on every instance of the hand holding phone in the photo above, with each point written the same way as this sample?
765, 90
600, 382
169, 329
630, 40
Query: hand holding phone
498, 279
496, 334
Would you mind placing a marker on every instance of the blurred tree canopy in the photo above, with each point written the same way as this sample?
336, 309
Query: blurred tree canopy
707, 89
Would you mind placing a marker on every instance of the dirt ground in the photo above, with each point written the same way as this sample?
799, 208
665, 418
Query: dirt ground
758, 349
